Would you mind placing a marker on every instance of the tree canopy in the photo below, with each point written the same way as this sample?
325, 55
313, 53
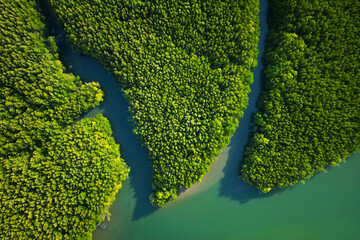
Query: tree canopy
309, 112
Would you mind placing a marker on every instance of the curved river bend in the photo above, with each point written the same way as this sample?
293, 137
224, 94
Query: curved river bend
222, 206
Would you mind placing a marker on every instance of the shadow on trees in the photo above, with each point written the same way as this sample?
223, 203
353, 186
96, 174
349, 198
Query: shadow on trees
231, 186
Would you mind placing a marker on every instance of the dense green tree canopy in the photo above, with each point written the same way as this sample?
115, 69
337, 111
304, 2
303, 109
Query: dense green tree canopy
56, 180
184, 67
309, 113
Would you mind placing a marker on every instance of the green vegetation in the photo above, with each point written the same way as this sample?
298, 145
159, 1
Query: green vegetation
309, 114
56, 180
184, 67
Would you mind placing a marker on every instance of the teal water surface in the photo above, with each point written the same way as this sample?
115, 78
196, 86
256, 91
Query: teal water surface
222, 206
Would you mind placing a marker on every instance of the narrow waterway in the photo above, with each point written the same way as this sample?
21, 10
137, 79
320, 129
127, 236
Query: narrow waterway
222, 206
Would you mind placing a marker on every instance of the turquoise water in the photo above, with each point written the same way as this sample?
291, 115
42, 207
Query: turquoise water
222, 206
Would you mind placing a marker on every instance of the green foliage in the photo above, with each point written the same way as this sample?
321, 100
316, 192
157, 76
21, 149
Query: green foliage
56, 180
309, 115
184, 67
